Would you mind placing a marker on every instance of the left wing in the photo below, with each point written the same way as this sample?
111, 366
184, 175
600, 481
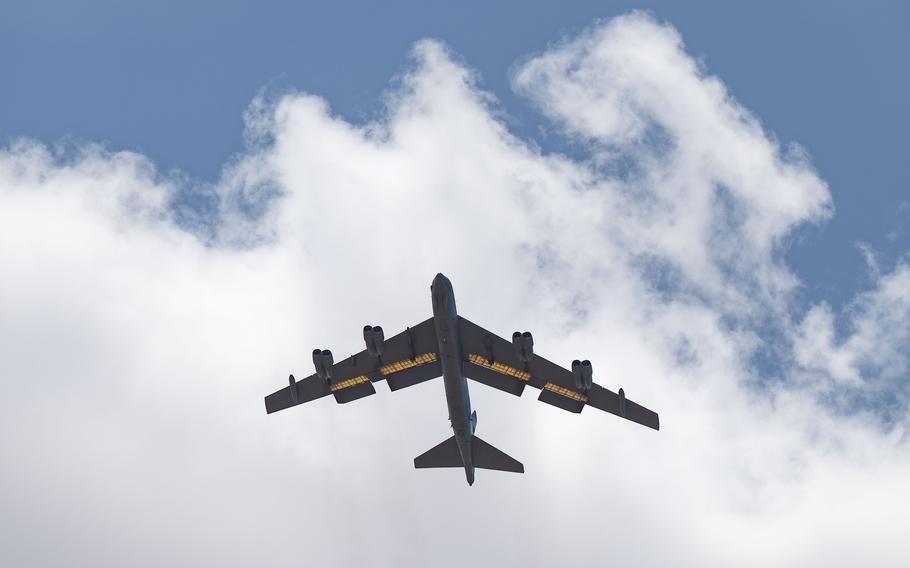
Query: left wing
406, 359
494, 361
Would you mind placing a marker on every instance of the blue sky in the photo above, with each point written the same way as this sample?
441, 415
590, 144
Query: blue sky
634, 196
171, 80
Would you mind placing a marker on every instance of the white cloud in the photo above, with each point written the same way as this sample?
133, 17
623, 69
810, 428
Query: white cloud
135, 354
710, 191
873, 354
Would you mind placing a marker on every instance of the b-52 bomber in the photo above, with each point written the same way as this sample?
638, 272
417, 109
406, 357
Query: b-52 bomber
456, 349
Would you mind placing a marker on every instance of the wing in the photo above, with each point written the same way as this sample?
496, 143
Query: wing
493, 361
406, 359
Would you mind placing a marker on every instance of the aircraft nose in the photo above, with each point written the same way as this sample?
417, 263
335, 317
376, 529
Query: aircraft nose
441, 290
441, 282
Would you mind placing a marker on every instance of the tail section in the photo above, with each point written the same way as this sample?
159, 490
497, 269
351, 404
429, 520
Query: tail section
445, 454
488, 457
484, 456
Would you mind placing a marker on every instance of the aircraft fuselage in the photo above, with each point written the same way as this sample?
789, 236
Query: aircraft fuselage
445, 318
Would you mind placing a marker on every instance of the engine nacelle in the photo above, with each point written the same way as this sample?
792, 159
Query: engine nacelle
322, 360
374, 338
524, 345
583, 373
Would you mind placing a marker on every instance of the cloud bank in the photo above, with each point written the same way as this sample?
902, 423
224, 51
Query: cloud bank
143, 318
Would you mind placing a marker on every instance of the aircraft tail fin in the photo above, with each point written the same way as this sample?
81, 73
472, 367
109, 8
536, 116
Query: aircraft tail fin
445, 454
485, 456
488, 457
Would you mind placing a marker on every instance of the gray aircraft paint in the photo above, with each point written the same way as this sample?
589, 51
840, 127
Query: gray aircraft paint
445, 317
450, 346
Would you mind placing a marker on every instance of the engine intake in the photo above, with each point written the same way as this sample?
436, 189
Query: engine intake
583, 373
322, 360
524, 345
374, 338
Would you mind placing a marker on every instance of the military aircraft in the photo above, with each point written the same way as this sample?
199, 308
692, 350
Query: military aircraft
456, 349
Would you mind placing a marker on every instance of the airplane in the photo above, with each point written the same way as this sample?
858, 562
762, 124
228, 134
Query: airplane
456, 349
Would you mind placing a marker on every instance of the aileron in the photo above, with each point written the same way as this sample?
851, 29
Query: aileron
618, 404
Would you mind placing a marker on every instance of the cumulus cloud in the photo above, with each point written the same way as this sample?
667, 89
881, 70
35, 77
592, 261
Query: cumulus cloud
708, 190
138, 334
867, 361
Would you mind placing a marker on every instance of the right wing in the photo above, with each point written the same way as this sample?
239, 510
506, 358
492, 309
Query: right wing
407, 359
493, 361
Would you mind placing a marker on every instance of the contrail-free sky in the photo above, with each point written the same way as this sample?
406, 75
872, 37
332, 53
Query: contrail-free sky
607, 189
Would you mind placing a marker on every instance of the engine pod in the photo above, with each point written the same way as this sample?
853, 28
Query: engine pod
527, 346
378, 340
587, 374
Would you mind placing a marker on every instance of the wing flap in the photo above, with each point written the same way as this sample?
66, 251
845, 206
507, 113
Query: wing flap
354, 391
492, 378
561, 401
414, 375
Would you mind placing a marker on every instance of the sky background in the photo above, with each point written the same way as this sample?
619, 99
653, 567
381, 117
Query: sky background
707, 200
171, 80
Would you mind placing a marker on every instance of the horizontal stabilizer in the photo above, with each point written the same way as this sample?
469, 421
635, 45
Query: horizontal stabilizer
445, 454
488, 457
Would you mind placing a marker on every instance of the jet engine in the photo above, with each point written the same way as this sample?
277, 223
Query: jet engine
373, 337
322, 360
524, 345
583, 373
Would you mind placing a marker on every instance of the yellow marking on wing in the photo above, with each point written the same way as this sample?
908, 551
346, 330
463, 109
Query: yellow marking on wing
407, 364
565, 392
499, 367
349, 383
